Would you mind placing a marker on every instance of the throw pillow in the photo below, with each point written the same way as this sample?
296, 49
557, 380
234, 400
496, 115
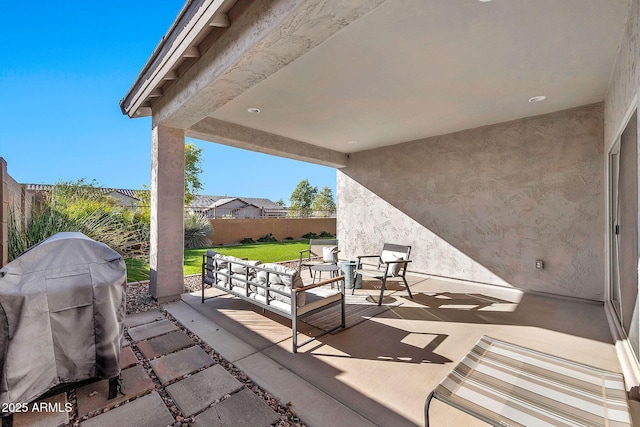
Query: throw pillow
393, 268
330, 254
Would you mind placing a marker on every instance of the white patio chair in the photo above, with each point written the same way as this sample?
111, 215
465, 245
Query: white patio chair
391, 262
321, 251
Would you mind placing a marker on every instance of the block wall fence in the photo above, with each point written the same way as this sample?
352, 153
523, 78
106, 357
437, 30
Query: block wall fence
228, 231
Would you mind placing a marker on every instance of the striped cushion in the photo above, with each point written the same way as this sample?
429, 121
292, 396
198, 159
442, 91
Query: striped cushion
505, 384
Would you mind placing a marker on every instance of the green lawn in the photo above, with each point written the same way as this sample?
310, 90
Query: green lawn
265, 252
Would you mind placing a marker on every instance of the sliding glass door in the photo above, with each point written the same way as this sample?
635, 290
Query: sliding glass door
624, 232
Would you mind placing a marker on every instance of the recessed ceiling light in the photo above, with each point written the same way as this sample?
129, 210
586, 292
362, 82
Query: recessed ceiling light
484, 1
352, 142
254, 110
538, 98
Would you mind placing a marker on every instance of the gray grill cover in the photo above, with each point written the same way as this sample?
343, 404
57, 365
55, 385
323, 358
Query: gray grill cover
62, 308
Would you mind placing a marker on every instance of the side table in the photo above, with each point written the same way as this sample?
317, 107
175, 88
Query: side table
331, 268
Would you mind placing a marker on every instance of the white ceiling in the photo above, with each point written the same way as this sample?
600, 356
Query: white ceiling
418, 68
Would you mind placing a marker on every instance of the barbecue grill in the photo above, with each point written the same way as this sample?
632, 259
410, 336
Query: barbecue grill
62, 309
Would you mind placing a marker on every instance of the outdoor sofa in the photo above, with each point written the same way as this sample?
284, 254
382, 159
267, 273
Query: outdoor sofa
272, 287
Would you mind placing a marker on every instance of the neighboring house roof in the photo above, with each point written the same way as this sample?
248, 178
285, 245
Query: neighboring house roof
221, 202
199, 201
124, 191
38, 187
215, 201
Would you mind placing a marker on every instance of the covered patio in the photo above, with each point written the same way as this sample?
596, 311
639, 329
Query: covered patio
488, 135
380, 370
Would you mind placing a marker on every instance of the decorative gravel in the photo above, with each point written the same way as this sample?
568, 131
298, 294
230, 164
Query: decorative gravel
139, 300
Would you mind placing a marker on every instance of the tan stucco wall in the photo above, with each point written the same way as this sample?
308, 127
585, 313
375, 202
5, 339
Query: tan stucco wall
625, 78
228, 231
485, 203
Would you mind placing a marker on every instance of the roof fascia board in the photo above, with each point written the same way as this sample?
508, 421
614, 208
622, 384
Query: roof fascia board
193, 18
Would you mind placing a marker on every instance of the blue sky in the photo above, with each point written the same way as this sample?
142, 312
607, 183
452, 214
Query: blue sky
66, 65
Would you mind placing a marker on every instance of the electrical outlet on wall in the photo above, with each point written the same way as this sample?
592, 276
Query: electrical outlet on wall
539, 264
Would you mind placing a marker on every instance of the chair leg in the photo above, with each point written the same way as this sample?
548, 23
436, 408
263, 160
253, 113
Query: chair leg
384, 284
426, 409
408, 288
343, 309
294, 328
353, 283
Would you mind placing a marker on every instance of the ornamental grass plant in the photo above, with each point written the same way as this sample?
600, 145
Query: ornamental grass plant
84, 208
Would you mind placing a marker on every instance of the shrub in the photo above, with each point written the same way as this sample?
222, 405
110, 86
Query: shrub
326, 234
247, 240
81, 207
288, 238
197, 230
268, 238
310, 235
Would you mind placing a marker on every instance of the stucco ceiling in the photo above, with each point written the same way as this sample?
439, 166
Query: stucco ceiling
412, 69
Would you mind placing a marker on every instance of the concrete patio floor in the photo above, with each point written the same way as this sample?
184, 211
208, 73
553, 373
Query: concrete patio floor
376, 372
380, 371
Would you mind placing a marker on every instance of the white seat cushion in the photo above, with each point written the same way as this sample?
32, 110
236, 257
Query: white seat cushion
319, 297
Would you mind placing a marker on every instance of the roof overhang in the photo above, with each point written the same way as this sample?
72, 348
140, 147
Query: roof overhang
199, 23
332, 78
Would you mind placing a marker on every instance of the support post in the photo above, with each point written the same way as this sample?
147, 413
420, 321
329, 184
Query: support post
166, 255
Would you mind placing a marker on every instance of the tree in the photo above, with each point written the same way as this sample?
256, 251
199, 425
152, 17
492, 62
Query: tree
192, 171
302, 198
323, 204
280, 202
144, 204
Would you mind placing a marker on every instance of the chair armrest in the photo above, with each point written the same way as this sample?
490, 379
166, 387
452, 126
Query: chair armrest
403, 267
310, 253
397, 261
367, 256
315, 285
